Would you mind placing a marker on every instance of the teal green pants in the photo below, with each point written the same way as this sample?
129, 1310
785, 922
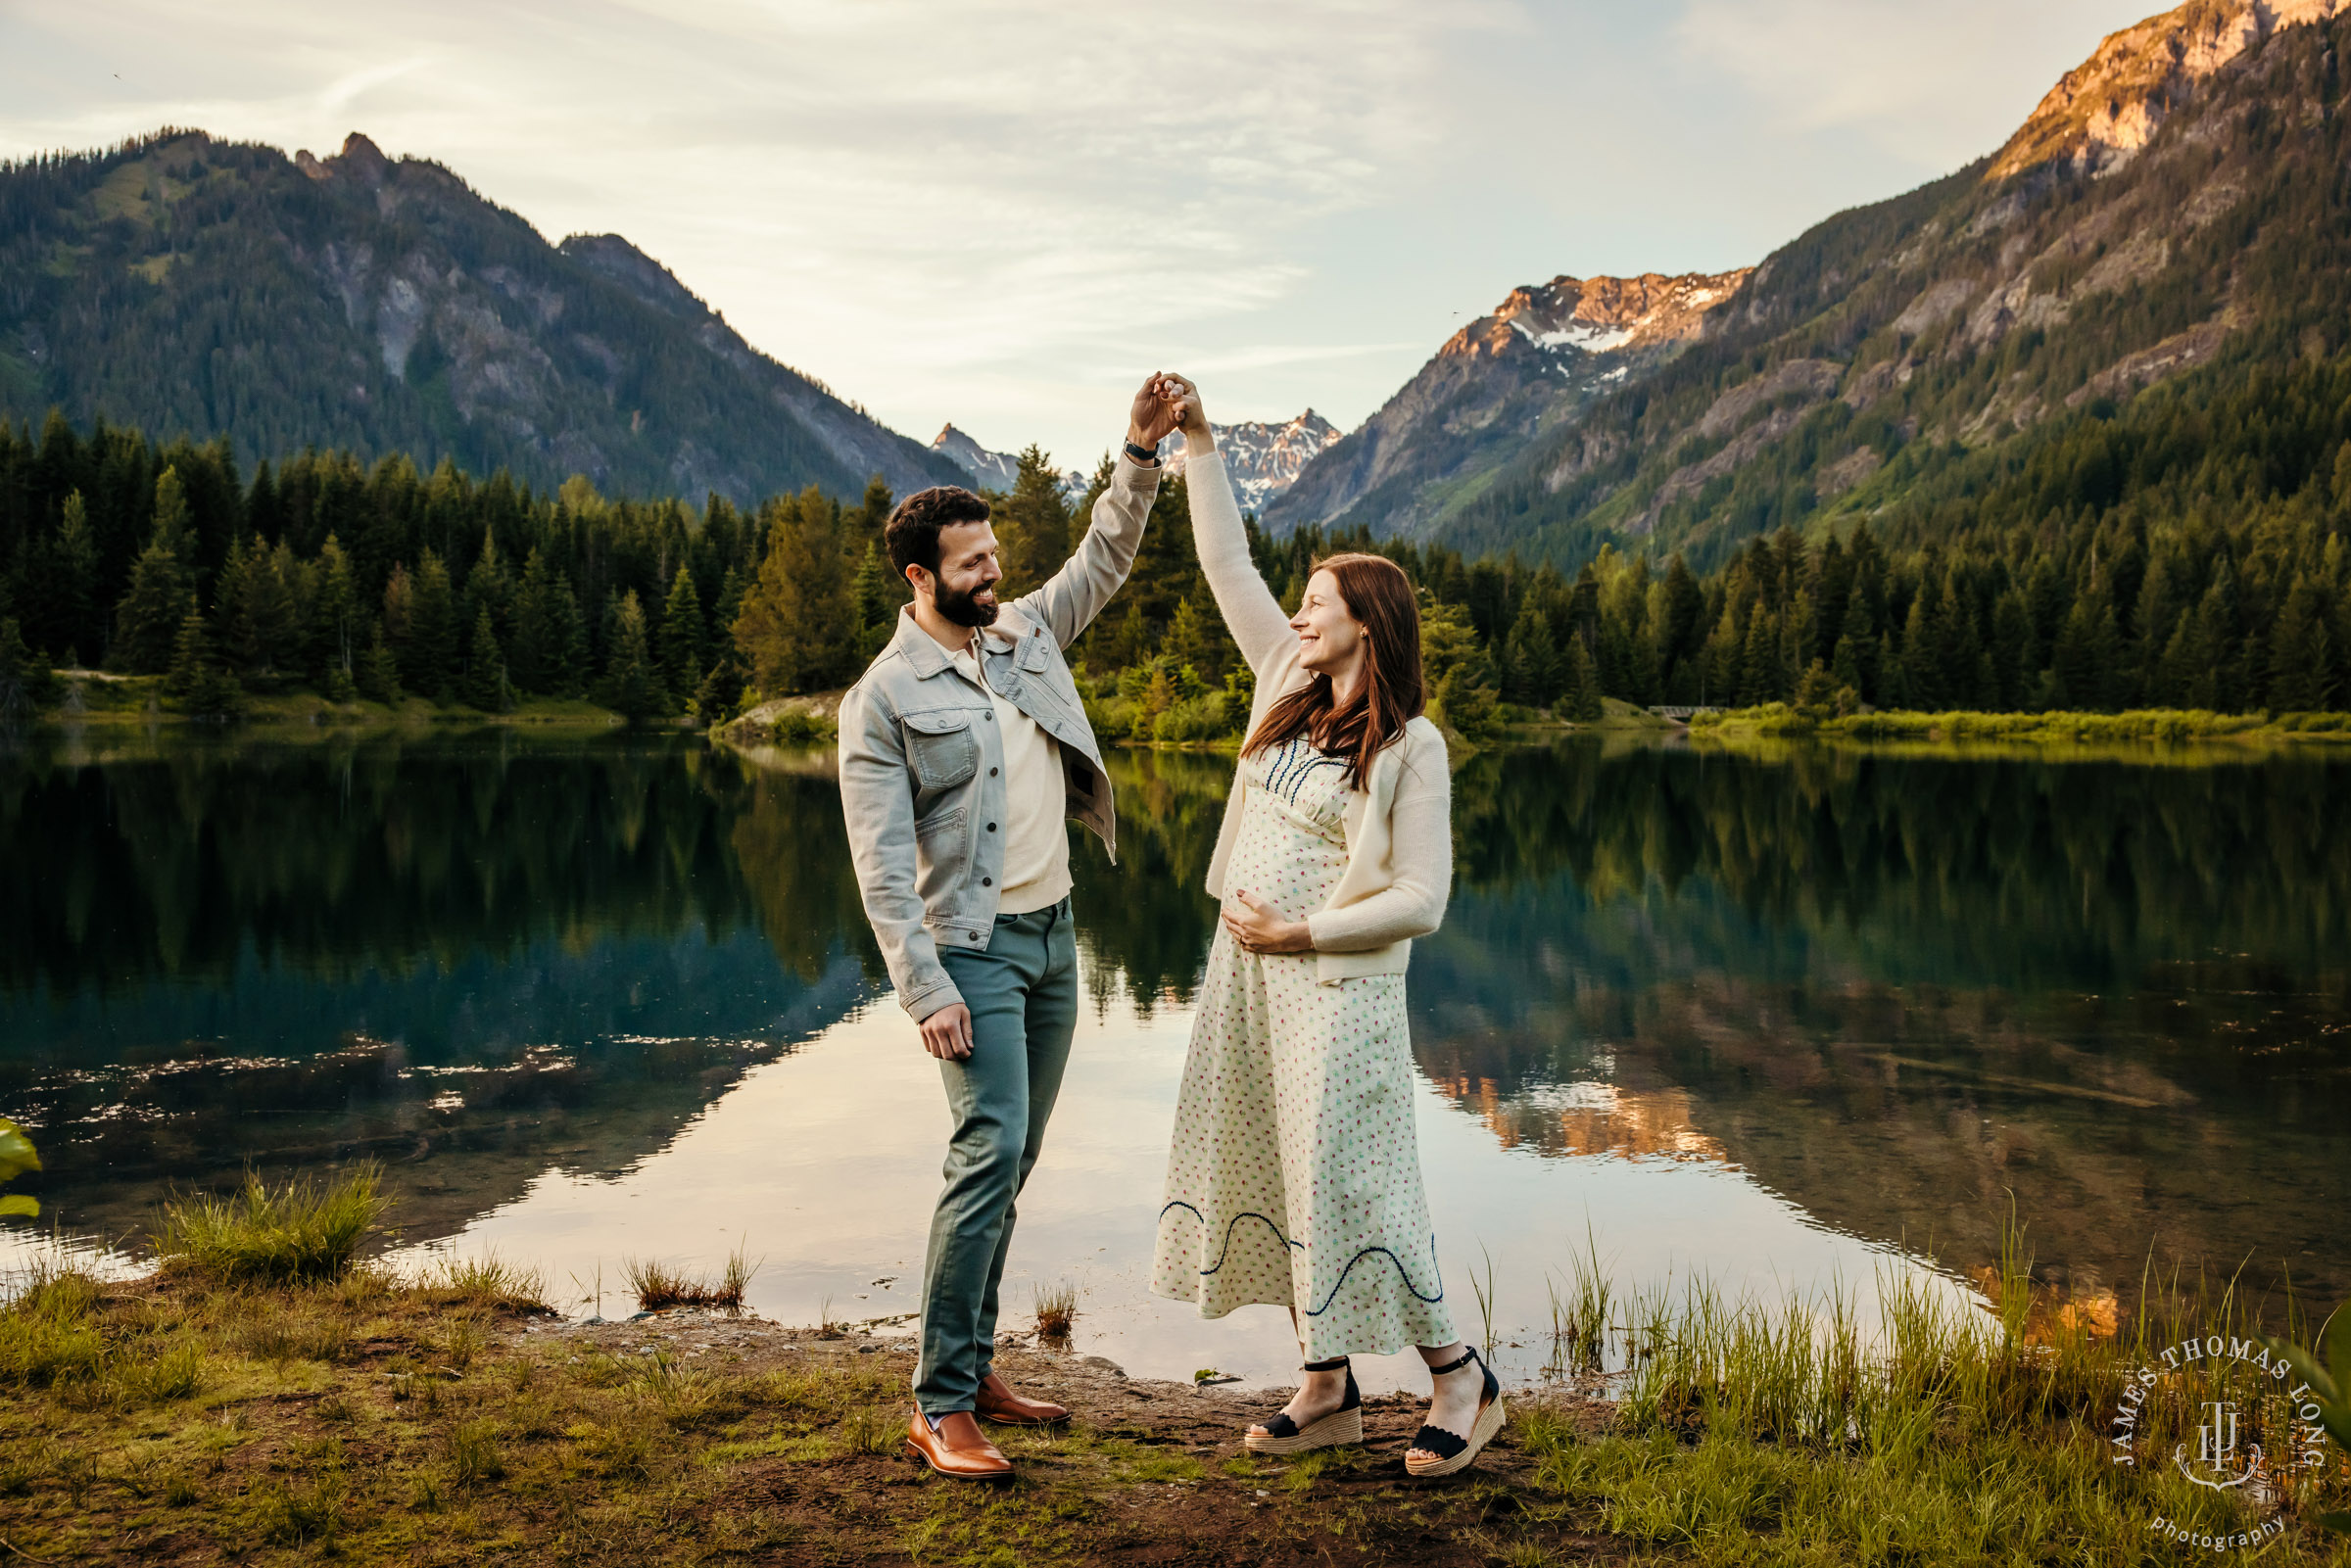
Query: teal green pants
1023, 994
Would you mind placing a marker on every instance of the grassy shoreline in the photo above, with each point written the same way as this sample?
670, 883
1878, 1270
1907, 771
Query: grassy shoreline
97, 699
2160, 726
263, 1397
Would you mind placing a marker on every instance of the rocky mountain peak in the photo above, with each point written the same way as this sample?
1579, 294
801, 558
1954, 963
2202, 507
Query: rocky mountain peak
364, 159
2107, 108
989, 470
1263, 457
1596, 314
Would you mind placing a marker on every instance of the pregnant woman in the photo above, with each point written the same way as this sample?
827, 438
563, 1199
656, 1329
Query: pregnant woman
1294, 1178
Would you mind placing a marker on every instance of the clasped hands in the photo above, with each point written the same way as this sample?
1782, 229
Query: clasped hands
1166, 403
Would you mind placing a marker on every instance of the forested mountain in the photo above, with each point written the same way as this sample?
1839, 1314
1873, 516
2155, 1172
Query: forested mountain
2155, 257
192, 286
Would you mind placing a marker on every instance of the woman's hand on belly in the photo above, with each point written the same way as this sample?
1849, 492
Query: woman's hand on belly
1259, 926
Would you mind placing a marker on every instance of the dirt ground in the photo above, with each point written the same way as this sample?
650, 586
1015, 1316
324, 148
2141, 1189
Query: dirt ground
1206, 1499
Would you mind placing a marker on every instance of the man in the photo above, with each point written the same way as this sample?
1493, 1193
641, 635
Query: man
962, 749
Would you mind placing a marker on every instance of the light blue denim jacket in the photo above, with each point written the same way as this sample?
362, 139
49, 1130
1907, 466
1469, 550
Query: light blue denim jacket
922, 764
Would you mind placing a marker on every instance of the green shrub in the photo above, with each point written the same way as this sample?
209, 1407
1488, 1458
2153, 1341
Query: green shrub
298, 1232
797, 726
1208, 717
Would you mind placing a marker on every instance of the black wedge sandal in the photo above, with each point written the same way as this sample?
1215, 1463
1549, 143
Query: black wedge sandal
1453, 1453
1343, 1425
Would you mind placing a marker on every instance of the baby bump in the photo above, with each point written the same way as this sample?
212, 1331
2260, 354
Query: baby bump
1286, 867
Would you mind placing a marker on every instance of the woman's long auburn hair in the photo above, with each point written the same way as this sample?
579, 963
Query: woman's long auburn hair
1380, 596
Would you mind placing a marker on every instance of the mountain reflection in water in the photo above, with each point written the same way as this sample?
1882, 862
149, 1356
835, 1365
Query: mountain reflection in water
1891, 990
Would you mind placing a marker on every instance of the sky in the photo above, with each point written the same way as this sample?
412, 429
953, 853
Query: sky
1006, 212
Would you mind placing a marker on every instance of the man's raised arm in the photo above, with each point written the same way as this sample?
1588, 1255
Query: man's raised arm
1071, 599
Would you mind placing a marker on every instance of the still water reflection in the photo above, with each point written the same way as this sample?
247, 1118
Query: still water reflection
1777, 1018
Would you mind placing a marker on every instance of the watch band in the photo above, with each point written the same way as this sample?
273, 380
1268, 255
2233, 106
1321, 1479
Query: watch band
1141, 453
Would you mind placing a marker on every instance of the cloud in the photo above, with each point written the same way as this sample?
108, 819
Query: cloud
897, 196
1937, 86
1000, 212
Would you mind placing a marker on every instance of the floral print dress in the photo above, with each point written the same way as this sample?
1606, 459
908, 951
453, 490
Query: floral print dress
1294, 1178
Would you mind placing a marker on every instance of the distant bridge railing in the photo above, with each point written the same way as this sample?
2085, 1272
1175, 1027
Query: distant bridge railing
1681, 715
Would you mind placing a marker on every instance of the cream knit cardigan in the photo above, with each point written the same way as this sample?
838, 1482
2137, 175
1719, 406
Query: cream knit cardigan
1399, 822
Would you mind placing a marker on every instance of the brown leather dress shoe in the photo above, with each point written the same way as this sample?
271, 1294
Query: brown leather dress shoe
995, 1401
958, 1450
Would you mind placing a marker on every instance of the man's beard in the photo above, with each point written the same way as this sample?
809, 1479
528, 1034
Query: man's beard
965, 609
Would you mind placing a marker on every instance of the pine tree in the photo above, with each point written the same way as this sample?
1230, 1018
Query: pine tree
1720, 666
1579, 694
1533, 671
683, 638
26, 683
1682, 630
175, 528
1923, 687
429, 664
551, 641
1033, 525
720, 694
2012, 653
377, 677
1817, 690
234, 629
147, 622
795, 630
489, 586
877, 605
1759, 671
73, 580
485, 685
335, 617
632, 683
196, 683
864, 523
1192, 641
2300, 672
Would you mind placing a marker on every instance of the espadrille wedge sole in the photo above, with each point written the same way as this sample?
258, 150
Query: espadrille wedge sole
1334, 1429
1481, 1432
1343, 1425
1453, 1454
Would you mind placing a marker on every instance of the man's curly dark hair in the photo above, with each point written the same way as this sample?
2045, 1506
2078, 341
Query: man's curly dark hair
912, 532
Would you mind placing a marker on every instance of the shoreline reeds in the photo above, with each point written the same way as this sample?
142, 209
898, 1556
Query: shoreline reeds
300, 1232
660, 1286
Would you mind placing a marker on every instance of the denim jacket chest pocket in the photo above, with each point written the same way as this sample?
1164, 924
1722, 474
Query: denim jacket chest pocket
940, 747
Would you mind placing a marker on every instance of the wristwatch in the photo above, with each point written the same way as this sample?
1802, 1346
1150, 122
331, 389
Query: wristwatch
1147, 455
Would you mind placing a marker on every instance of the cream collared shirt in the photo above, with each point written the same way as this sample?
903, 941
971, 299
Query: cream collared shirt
1036, 842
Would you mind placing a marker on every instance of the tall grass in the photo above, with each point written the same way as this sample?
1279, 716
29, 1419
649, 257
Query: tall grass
301, 1232
1957, 1431
660, 1286
1056, 1309
1579, 1316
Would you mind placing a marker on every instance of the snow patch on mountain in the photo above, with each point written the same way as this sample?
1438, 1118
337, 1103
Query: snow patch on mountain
1262, 458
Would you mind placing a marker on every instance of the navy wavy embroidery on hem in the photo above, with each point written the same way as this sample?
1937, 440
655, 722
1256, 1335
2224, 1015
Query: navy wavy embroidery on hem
1403, 1272
1246, 1213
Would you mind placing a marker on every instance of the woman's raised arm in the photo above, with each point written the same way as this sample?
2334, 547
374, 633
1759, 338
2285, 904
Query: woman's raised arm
1253, 617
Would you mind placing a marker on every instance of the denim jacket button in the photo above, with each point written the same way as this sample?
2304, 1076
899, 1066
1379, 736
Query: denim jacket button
987, 881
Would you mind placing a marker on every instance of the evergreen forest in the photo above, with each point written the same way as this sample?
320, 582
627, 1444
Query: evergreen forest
2116, 585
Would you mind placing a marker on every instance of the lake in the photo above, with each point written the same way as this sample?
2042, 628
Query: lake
1791, 1019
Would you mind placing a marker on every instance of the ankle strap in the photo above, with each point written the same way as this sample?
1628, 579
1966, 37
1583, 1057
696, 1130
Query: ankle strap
1468, 1355
1331, 1366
